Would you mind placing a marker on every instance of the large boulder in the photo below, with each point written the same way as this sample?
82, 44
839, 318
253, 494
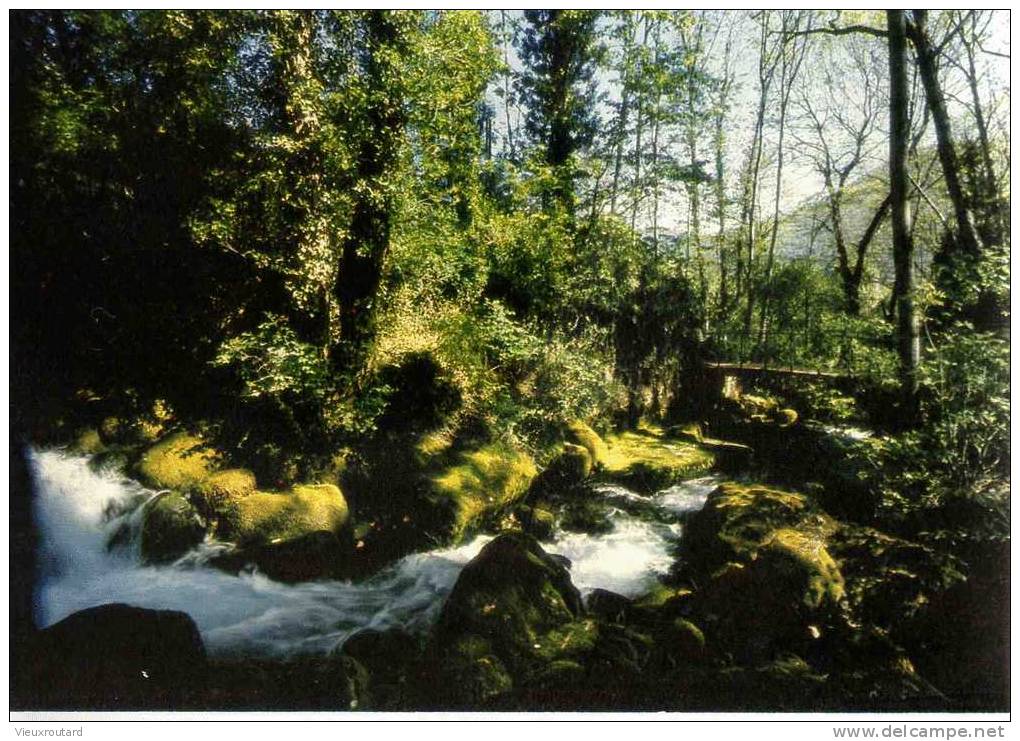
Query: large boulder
180, 461
564, 474
768, 581
118, 657
508, 616
263, 518
171, 527
737, 519
581, 434
646, 460
296, 535
220, 488
476, 486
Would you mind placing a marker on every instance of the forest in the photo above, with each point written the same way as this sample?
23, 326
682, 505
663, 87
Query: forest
510, 360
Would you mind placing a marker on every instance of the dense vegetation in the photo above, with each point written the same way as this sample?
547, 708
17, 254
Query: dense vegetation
372, 248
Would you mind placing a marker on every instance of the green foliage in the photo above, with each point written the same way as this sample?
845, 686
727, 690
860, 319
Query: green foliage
271, 362
530, 384
965, 405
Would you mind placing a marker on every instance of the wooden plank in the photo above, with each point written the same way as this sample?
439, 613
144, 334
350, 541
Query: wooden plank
758, 368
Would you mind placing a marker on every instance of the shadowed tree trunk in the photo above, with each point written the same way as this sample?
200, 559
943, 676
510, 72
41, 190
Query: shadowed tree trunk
367, 243
899, 130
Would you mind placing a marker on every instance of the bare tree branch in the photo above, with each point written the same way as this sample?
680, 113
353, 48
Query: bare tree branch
838, 31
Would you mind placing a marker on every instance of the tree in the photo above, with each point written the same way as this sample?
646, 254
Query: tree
367, 242
559, 53
768, 60
791, 58
899, 134
836, 134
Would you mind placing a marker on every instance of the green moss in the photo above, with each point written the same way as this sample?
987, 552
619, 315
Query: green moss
471, 674
88, 442
224, 486
576, 461
786, 417
433, 444
112, 430
686, 639
659, 595
171, 527
181, 461
647, 461
568, 641
273, 517
737, 519
804, 554
581, 434
481, 483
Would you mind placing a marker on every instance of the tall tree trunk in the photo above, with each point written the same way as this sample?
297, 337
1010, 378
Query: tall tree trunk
908, 337
291, 40
791, 62
366, 245
506, 31
638, 131
720, 183
620, 135
766, 72
928, 69
656, 125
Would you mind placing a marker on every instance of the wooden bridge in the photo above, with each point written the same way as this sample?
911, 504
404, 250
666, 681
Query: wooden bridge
729, 378
754, 370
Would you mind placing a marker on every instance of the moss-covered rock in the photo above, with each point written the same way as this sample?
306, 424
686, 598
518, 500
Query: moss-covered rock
223, 486
507, 617
171, 526
113, 430
479, 484
471, 675
581, 434
262, 518
737, 519
684, 641
180, 461
564, 474
88, 442
539, 521
786, 417
647, 461
799, 560
117, 657
768, 581
608, 606
590, 516
391, 658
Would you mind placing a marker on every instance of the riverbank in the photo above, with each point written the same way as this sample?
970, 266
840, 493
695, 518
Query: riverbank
705, 593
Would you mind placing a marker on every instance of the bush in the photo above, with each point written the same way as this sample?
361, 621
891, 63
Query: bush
965, 405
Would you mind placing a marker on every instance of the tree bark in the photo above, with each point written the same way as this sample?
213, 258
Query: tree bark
366, 245
928, 70
908, 337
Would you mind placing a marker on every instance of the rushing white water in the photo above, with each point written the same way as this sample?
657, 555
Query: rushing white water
78, 510
626, 560
249, 613
687, 496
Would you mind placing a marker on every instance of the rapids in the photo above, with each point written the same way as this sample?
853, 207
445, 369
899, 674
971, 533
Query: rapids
78, 510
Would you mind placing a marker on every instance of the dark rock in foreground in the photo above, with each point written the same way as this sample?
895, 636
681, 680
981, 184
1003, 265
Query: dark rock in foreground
117, 657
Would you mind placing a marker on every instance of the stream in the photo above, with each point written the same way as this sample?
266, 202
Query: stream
78, 510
